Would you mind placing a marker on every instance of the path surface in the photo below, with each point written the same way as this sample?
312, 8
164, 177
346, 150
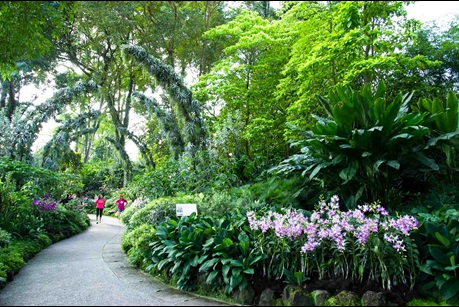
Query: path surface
90, 269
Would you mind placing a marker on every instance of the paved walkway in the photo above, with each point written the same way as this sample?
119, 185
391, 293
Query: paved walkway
90, 269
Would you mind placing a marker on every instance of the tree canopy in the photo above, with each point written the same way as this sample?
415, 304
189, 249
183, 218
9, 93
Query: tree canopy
203, 75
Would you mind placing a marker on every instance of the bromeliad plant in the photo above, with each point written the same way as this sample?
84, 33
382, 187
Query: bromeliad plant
364, 244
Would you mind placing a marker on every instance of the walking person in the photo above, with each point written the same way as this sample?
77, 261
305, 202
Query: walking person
121, 202
100, 204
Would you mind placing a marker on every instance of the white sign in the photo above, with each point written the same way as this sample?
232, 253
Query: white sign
185, 209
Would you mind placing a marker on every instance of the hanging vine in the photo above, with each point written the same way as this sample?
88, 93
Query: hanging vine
186, 111
19, 133
68, 132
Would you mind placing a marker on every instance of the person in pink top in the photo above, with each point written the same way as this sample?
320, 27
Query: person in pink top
100, 204
121, 203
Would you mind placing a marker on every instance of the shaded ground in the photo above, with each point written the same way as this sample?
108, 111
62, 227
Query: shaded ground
90, 269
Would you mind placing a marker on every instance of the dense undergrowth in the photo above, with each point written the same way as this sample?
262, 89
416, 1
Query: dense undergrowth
33, 213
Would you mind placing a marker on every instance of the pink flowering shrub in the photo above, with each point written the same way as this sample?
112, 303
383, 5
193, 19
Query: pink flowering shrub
361, 244
46, 203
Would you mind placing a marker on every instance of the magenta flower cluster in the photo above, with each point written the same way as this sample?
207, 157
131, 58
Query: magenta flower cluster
328, 224
46, 203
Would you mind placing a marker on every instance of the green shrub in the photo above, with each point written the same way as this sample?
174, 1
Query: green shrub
370, 148
27, 248
219, 248
137, 244
132, 208
220, 203
5, 238
288, 192
11, 259
32, 181
158, 211
43, 240
438, 243
3, 270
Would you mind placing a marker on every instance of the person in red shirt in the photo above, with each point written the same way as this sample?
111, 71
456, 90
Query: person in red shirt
121, 203
100, 204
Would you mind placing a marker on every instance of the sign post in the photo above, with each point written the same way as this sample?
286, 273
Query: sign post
185, 209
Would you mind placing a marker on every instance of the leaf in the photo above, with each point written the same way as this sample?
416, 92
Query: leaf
257, 258
394, 164
162, 263
366, 154
426, 161
235, 280
377, 164
452, 111
315, 171
450, 288
225, 270
236, 263
211, 277
348, 173
380, 90
227, 242
451, 268
244, 246
442, 240
439, 255
426, 269
250, 271
208, 264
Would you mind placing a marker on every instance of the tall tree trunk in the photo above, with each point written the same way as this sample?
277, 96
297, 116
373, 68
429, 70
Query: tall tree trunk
11, 106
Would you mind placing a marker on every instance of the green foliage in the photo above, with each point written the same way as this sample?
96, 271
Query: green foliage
371, 148
33, 181
347, 43
186, 111
219, 248
3, 274
132, 208
15, 255
156, 212
5, 238
440, 250
426, 302
242, 87
62, 222
443, 120
137, 244
11, 259
15, 207
219, 203
34, 24
286, 192
439, 46
101, 174
177, 249
297, 278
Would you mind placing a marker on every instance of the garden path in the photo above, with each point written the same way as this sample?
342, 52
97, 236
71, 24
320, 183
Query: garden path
90, 269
